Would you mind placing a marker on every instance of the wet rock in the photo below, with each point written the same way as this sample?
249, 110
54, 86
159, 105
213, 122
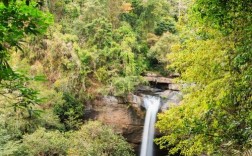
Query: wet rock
174, 87
148, 89
164, 94
134, 99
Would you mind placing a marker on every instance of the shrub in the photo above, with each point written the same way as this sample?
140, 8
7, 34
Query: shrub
70, 112
44, 142
96, 139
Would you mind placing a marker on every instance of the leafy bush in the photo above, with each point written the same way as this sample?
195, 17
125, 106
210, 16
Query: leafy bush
8, 146
92, 139
165, 26
96, 139
44, 142
122, 85
162, 47
70, 112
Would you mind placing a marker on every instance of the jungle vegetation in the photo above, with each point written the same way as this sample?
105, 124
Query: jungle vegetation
57, 55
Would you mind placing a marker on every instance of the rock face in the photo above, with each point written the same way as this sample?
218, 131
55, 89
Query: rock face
158, 79
163, 83
127, 114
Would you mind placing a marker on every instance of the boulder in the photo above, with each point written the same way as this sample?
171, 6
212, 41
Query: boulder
164, 94
174, 87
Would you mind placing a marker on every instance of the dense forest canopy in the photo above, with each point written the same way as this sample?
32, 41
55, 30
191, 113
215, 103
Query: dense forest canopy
58, 55
213, 54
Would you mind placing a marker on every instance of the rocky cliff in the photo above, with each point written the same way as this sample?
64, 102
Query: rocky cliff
126, 114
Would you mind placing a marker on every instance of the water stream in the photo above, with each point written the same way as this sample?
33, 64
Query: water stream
152, 104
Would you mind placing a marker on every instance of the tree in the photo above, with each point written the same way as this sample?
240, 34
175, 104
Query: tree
214, 55
18, 19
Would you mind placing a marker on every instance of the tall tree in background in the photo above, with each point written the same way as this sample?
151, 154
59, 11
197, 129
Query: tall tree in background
215, 55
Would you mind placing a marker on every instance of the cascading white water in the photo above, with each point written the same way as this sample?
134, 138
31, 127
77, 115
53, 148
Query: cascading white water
152, 104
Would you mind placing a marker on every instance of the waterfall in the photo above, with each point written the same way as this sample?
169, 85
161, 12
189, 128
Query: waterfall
152, 104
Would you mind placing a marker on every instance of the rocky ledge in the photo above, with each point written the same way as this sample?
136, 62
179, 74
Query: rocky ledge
126, 114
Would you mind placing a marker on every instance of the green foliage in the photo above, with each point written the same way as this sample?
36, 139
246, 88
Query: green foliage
125, 84
92, 139
162, 47
94, 47
72, 10
13, 125
98, 32
96, 139
148, 17
7, 145
44, 142
18, 20
70, 112
20, 96
164, 26
110, 52
108, 45
20, 122
212, 55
